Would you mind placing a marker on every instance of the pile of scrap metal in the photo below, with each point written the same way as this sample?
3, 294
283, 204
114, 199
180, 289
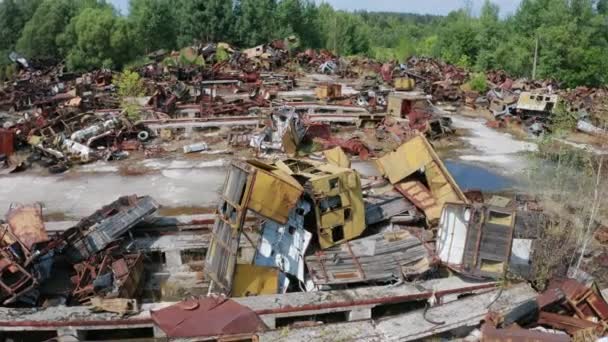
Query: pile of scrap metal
411, 111
326, 196
437, 78
66, 118
567, 311
315, 218
86, 262
70, 137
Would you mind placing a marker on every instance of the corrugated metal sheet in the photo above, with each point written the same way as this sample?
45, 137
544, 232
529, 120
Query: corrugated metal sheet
387, 256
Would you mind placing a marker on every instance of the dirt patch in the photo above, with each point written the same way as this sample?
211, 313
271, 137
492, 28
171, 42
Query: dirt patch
130, 170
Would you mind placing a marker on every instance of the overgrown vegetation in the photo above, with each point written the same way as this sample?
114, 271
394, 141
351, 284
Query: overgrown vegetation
572, 35
563, 120
572, 186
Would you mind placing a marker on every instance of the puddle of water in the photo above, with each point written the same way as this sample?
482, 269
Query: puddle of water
469, 176
492, 147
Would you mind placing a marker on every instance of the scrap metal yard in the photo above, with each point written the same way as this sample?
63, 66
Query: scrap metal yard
292, 195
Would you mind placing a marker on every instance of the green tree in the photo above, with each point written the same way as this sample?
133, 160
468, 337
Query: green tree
40, 33
457, 40
489, 35
154, 24
14, 14
296, 17
602, 7
256, 22
205, 20
94, 38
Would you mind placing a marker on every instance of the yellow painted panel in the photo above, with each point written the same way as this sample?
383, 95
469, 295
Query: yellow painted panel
404, 83
273, 195
332, 219
406, 160
336, 156
252, 280
492, 266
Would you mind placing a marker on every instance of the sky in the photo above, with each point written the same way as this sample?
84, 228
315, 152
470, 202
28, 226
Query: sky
440, 7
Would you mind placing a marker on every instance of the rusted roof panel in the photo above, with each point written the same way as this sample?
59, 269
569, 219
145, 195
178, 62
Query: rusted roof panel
207, 317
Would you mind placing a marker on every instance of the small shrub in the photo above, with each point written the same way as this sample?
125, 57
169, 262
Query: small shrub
478, 82
221, 55
130, 84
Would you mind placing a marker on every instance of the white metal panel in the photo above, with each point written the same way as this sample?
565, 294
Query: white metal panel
452, 234
521, 255
283, 246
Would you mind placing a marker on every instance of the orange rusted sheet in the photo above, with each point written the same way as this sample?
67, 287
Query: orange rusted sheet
26, 224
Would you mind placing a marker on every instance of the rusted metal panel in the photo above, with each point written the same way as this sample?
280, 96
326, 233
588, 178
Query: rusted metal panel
7, 144
328, 91
26, 223
421, 196
549, 297
15, 281
128, 273
586, 303
108, 275
353, 146
491, 334
207, 317
567, 323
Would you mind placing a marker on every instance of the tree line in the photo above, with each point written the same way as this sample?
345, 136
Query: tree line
569, 36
